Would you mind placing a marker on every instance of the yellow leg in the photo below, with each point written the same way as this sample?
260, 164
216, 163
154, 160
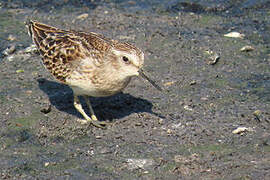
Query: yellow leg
78, 106
93, 116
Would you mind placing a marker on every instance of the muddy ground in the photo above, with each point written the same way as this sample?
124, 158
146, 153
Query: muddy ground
186, 132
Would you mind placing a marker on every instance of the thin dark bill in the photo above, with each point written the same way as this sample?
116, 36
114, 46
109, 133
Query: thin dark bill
142, 74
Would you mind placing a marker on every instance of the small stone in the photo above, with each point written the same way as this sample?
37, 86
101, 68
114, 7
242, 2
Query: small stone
11, 58
28, 92
186, 107
204, 98
138, 124
11, 37
247, 49
169, 83
46, 164
193, 82
209, 52
10, 50
257, 113
240, 130
235, 35
82, 16
213, 59
139, 163
176, 126
47, 109
31, 49
160, 121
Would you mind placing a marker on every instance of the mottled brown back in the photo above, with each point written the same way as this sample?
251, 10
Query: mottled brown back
61, 50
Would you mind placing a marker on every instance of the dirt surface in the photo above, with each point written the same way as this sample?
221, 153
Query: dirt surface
211, 122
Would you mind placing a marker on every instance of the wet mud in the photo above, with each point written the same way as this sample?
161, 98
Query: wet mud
212, 121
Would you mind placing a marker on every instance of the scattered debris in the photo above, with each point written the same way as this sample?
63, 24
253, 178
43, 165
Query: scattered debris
31, 49
10, 58
11, 37
187, 165
19, 71
213, 59
209, 52
47, 109
235, 35
184, 159
138, 124
186, 107
130, 37
139, 163
28, 92
82, 16
169, 83
46, 164
169, 131
240, 130
204, 98
257, 114
192, 82
160, 121
10, 50
177, 126
247, 49
18, 125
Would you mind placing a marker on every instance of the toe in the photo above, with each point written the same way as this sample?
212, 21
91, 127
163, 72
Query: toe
99, 124
82, 121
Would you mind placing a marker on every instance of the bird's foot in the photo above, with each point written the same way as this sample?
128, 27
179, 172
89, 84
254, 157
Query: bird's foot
94, 122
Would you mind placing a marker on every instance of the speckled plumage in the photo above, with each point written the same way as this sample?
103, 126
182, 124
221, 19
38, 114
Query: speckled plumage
89, 63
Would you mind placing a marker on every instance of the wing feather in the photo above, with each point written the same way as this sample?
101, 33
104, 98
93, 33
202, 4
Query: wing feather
61, 50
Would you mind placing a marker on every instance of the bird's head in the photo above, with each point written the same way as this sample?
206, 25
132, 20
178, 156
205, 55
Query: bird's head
129, 60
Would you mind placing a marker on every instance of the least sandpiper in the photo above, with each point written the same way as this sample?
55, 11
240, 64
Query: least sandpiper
91, 64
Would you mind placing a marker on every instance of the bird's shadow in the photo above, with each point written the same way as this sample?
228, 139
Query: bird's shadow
106, 108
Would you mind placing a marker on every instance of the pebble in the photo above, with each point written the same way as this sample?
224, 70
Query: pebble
11, 37
257, 112
46, 109
213, 59
235, 35
186, 107
247, 49
31, 49
82, 16
46, 164
240, 130
10, 50
139, 163
169, 83
98, 137
193, 82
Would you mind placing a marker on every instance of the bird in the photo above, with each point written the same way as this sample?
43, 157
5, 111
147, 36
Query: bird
89, 63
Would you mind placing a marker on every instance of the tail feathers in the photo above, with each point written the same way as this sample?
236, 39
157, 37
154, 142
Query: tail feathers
39, 31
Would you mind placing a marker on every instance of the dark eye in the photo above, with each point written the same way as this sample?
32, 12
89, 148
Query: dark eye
125, 59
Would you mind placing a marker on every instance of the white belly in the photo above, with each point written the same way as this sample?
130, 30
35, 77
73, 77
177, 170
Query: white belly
85, 87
